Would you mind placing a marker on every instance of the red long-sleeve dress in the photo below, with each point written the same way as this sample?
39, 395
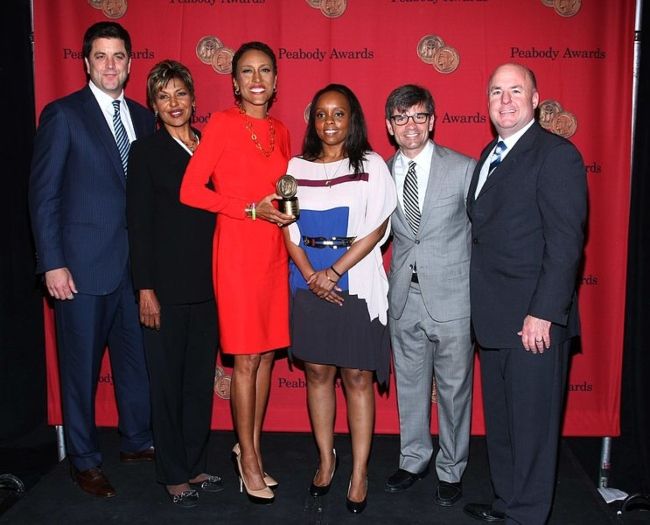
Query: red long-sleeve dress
250, 263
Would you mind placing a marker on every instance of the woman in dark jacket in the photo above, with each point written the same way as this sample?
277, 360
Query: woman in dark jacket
171, 251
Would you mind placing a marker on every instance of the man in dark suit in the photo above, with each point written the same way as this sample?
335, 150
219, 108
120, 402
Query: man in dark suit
77, 204
428, 296
527, 203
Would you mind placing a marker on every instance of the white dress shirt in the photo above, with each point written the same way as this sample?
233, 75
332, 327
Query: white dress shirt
422, 168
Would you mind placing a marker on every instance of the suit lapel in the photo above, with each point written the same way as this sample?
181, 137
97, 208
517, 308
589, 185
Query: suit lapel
140, 125
437, 177
399, 214
99, 126
477, 172
511, 160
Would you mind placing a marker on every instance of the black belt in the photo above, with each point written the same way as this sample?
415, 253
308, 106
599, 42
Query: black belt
328, 242
414, 278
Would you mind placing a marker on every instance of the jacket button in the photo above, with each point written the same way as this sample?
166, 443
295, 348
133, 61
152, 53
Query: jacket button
417, 241
410, 266
475, 240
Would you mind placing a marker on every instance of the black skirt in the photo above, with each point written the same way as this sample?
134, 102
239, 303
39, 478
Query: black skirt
342, 336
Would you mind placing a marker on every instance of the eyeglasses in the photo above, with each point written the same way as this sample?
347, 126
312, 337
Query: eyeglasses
402, 120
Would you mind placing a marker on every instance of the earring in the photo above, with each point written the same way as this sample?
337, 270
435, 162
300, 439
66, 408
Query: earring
155, 114
237, 92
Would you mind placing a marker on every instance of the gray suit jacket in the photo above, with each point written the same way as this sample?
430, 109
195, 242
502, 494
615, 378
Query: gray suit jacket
441, 248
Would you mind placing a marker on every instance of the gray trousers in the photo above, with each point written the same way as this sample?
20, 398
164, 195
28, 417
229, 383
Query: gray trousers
423, 347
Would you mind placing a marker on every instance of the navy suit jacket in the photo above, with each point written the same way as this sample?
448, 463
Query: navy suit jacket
77, 192
527, 239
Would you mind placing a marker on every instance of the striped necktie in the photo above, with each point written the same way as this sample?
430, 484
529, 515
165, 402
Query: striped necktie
121, 138
496, 156
411, 205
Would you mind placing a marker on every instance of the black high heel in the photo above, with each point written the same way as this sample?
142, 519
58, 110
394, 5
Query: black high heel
356, 507
321, 490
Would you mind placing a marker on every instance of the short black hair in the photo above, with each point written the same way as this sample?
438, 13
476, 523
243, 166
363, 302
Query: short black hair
248, 46
407, 96
356, 143
105, 30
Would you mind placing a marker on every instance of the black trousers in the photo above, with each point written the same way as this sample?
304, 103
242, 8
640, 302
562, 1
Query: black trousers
523, 398
181, 362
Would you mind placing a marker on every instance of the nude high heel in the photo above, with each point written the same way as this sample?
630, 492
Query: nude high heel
263, 496
268, 479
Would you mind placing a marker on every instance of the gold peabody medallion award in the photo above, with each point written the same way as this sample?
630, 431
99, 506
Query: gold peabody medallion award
287, 187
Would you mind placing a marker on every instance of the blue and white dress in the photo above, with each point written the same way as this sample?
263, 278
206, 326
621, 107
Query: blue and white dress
336, 202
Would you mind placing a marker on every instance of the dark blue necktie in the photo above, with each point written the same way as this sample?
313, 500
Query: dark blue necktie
121, 138
496, 156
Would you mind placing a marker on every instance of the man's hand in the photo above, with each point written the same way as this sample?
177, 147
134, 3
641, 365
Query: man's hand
60, 284
536, 334
149, 309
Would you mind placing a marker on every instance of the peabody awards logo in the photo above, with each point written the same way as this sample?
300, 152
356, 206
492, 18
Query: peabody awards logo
222, 383
329, 8
564, 8
433, 50
211, 51
556, 120
110, 8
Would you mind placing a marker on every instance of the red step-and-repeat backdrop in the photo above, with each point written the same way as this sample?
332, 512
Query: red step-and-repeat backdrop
580, 50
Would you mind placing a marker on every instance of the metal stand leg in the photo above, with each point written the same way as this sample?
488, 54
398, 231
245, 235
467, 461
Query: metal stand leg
603, 471
60, 442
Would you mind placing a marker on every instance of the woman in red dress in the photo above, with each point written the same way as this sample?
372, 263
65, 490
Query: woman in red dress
243, 152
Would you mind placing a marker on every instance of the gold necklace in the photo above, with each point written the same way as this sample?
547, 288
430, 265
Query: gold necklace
249, 126
192, 144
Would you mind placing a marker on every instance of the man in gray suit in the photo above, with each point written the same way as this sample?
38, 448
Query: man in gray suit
429, 311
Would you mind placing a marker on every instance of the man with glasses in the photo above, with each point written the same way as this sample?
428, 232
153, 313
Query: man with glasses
429, 310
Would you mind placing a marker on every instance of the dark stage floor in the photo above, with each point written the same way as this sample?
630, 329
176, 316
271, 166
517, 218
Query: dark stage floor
291, 458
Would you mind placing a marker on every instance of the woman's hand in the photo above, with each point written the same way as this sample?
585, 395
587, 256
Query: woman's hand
149, 309
265, 210
323, 284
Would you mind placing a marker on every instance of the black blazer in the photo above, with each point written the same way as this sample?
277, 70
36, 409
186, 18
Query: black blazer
527, 239
170, 243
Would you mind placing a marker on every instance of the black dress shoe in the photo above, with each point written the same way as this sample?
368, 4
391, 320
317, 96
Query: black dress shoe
402, 479
186, 499
148, 454
447, 494
209, 484
483, 512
